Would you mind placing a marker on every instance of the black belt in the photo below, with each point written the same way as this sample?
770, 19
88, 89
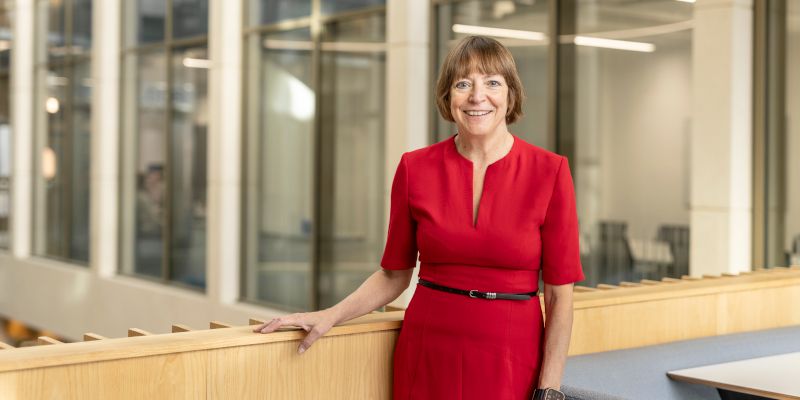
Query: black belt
477, 294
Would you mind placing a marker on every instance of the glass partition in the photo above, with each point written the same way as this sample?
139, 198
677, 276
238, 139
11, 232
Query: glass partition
313, 213
6, 42
62, 130
631, 102
164, 141
523, 28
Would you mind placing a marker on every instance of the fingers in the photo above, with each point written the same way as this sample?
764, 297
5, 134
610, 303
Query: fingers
274, 324
312, 337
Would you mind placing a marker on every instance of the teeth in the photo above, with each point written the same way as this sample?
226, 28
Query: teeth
477, 113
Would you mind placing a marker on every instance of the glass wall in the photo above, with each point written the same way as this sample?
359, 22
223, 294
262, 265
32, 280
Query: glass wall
630, 161
62, 126
621, 116
164, 140
314, 140
792, 118
521, 26
6, 41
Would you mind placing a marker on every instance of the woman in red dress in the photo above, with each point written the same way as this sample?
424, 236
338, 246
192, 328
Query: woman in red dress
486, 212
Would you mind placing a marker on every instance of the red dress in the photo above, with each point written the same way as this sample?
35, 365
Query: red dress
452, 346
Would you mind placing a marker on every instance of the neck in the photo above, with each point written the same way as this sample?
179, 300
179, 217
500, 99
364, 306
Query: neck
484, 149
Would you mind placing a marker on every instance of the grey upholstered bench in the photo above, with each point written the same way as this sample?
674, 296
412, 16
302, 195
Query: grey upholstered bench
641, 373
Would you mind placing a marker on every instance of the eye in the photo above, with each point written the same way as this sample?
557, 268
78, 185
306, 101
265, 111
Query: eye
495, 83
462, 85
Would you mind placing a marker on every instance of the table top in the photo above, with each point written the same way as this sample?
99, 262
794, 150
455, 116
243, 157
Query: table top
775, 376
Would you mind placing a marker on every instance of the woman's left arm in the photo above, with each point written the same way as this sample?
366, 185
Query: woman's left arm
558, 328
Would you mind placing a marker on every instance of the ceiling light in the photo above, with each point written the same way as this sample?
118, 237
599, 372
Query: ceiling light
614, 44
498, 32
189, 62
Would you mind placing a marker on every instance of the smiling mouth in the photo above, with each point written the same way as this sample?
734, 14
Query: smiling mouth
472, 113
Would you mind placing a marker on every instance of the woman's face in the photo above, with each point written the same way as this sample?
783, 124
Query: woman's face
479, 102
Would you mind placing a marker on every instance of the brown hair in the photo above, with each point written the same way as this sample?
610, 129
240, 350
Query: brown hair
484, 55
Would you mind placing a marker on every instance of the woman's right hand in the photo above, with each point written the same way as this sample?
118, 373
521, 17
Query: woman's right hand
316, 323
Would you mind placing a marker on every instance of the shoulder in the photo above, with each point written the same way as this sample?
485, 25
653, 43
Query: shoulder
539, 159
429, 154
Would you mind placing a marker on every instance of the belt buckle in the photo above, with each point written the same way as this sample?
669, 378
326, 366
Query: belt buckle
472, 294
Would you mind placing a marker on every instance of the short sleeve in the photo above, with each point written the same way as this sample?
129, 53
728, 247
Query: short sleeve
561, 262
401, 242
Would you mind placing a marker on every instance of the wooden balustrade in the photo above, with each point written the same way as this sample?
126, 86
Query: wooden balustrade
354, 359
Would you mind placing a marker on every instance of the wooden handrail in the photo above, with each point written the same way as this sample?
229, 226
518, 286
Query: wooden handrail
151, 345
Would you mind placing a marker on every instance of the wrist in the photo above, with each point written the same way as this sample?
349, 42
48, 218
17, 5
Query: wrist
548, 394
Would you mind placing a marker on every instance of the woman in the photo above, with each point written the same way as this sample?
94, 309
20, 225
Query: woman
486, 212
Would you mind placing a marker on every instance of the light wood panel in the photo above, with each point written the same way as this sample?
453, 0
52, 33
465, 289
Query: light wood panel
5, 346
357, 366
171, 376
640, 316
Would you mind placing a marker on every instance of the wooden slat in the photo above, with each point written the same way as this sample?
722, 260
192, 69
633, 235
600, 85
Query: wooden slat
5, 346
650, 282
708, 276
605, 286
134, 332
581, 289
177, 328
256, 321
89, 336
47, 340
629, 284
394, 308
218, 325
729, 274
670, 280
690, 278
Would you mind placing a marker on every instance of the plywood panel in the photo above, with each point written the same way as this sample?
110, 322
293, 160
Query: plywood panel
173, 376
356, 366
636, 324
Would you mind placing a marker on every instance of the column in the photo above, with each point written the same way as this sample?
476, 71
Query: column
721, 143
409, 91
22, 75
105, 152
224, 151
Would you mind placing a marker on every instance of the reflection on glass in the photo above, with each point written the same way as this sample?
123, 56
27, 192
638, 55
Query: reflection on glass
458, 20
336, 6
150, 21
56, 28
352, 114
81, 26
187, 168
189, 18
271, 11
5, 128
280, 143
147, 74
631, 143
62, 212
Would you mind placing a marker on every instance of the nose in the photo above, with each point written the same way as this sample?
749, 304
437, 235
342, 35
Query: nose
477, 94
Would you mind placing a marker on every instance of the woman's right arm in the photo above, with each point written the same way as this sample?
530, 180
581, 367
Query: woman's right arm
378, 290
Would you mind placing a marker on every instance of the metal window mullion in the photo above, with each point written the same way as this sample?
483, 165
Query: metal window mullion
166, 260
69, 135
316, 75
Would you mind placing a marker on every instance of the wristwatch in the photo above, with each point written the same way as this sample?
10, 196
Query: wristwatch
548, 394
